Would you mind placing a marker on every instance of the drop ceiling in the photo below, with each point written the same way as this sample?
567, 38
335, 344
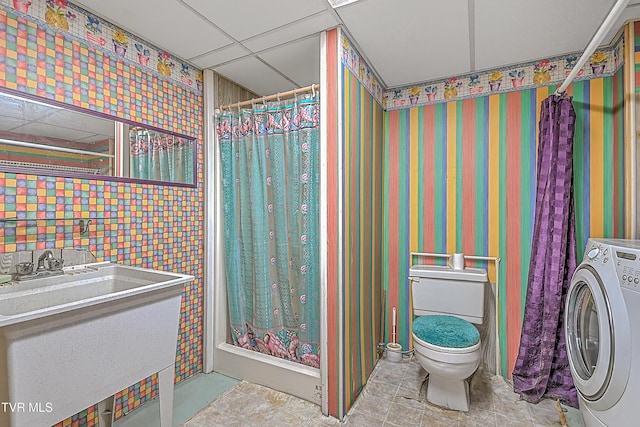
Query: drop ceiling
274, 46
19, 116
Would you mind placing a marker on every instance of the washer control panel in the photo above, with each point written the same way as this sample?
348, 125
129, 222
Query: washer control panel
627, 267
622, 255
630, 275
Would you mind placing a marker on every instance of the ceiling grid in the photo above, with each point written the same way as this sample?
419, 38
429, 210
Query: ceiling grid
268, 47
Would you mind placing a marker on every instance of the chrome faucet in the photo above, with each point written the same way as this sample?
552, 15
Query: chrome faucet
45, 255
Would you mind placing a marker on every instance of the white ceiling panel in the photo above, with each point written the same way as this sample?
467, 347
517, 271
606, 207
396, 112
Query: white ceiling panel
220, 56
24, 116
168, 24
246, 71
242, 19
404, 41
85, 122
311, 25
408, 40
300, 61
16, 110
631, 12
53, 131
507, 35
69, 124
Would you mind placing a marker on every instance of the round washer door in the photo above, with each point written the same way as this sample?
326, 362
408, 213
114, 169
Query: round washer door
599, 354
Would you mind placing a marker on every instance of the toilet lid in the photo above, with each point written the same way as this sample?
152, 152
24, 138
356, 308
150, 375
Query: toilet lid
446, 331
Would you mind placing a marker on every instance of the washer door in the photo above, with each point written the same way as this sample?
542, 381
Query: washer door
599, 354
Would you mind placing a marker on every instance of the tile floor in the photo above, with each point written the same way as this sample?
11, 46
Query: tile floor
394, 396
189, 397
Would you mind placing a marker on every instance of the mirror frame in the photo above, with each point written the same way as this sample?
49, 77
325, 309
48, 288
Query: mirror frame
80, 175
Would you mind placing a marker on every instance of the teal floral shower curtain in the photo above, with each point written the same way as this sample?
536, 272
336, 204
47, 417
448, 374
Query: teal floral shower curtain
158, 156
270, 178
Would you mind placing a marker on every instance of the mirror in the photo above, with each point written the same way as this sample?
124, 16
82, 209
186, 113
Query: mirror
38, 137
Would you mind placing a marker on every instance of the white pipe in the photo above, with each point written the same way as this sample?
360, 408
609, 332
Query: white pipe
312, 88
497, 320
606, 25
430, 255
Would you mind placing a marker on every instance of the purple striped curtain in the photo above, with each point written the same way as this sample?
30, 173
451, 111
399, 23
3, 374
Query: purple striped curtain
542, 367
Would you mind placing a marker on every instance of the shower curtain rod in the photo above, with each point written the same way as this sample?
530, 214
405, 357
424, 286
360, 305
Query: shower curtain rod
312, 88
606, 25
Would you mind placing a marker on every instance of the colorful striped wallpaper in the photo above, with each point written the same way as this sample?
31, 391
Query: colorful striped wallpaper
456, 177
635, 33
334, 365
145, 225
460, 177
354, 191
362, 225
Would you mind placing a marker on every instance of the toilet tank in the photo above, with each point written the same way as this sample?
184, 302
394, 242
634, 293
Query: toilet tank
442, 290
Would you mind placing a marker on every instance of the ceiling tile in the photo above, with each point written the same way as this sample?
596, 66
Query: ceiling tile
85, 122
412, 40
631, 12
52, 131
220, 56
242, 19
168, 24
255, 76
16, 109
311, 25
534, 30
70, 124
300, 61
406, 42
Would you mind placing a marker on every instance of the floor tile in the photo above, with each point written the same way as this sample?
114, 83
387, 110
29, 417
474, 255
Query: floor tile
189, 397
393, 397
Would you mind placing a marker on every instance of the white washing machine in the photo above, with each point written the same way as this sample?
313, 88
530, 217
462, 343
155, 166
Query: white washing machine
602, 330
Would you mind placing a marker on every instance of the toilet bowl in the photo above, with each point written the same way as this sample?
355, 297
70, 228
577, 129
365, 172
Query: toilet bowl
448, 367
448, 302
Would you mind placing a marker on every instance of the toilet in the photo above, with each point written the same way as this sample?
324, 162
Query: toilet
447, 302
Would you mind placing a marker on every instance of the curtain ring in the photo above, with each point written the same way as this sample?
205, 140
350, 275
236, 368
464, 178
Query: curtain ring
313, 90
295, 96
278, 96
263, 100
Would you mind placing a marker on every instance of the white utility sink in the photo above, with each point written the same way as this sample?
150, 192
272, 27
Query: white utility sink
72, 340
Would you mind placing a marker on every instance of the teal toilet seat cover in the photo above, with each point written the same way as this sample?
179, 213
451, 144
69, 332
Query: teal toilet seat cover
446, 331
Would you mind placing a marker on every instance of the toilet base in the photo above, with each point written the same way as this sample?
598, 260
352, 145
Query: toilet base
448, 393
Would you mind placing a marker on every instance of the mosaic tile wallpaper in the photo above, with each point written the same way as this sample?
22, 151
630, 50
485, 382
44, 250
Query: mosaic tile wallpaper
88, 417
139, 224
102, 35
38, 59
